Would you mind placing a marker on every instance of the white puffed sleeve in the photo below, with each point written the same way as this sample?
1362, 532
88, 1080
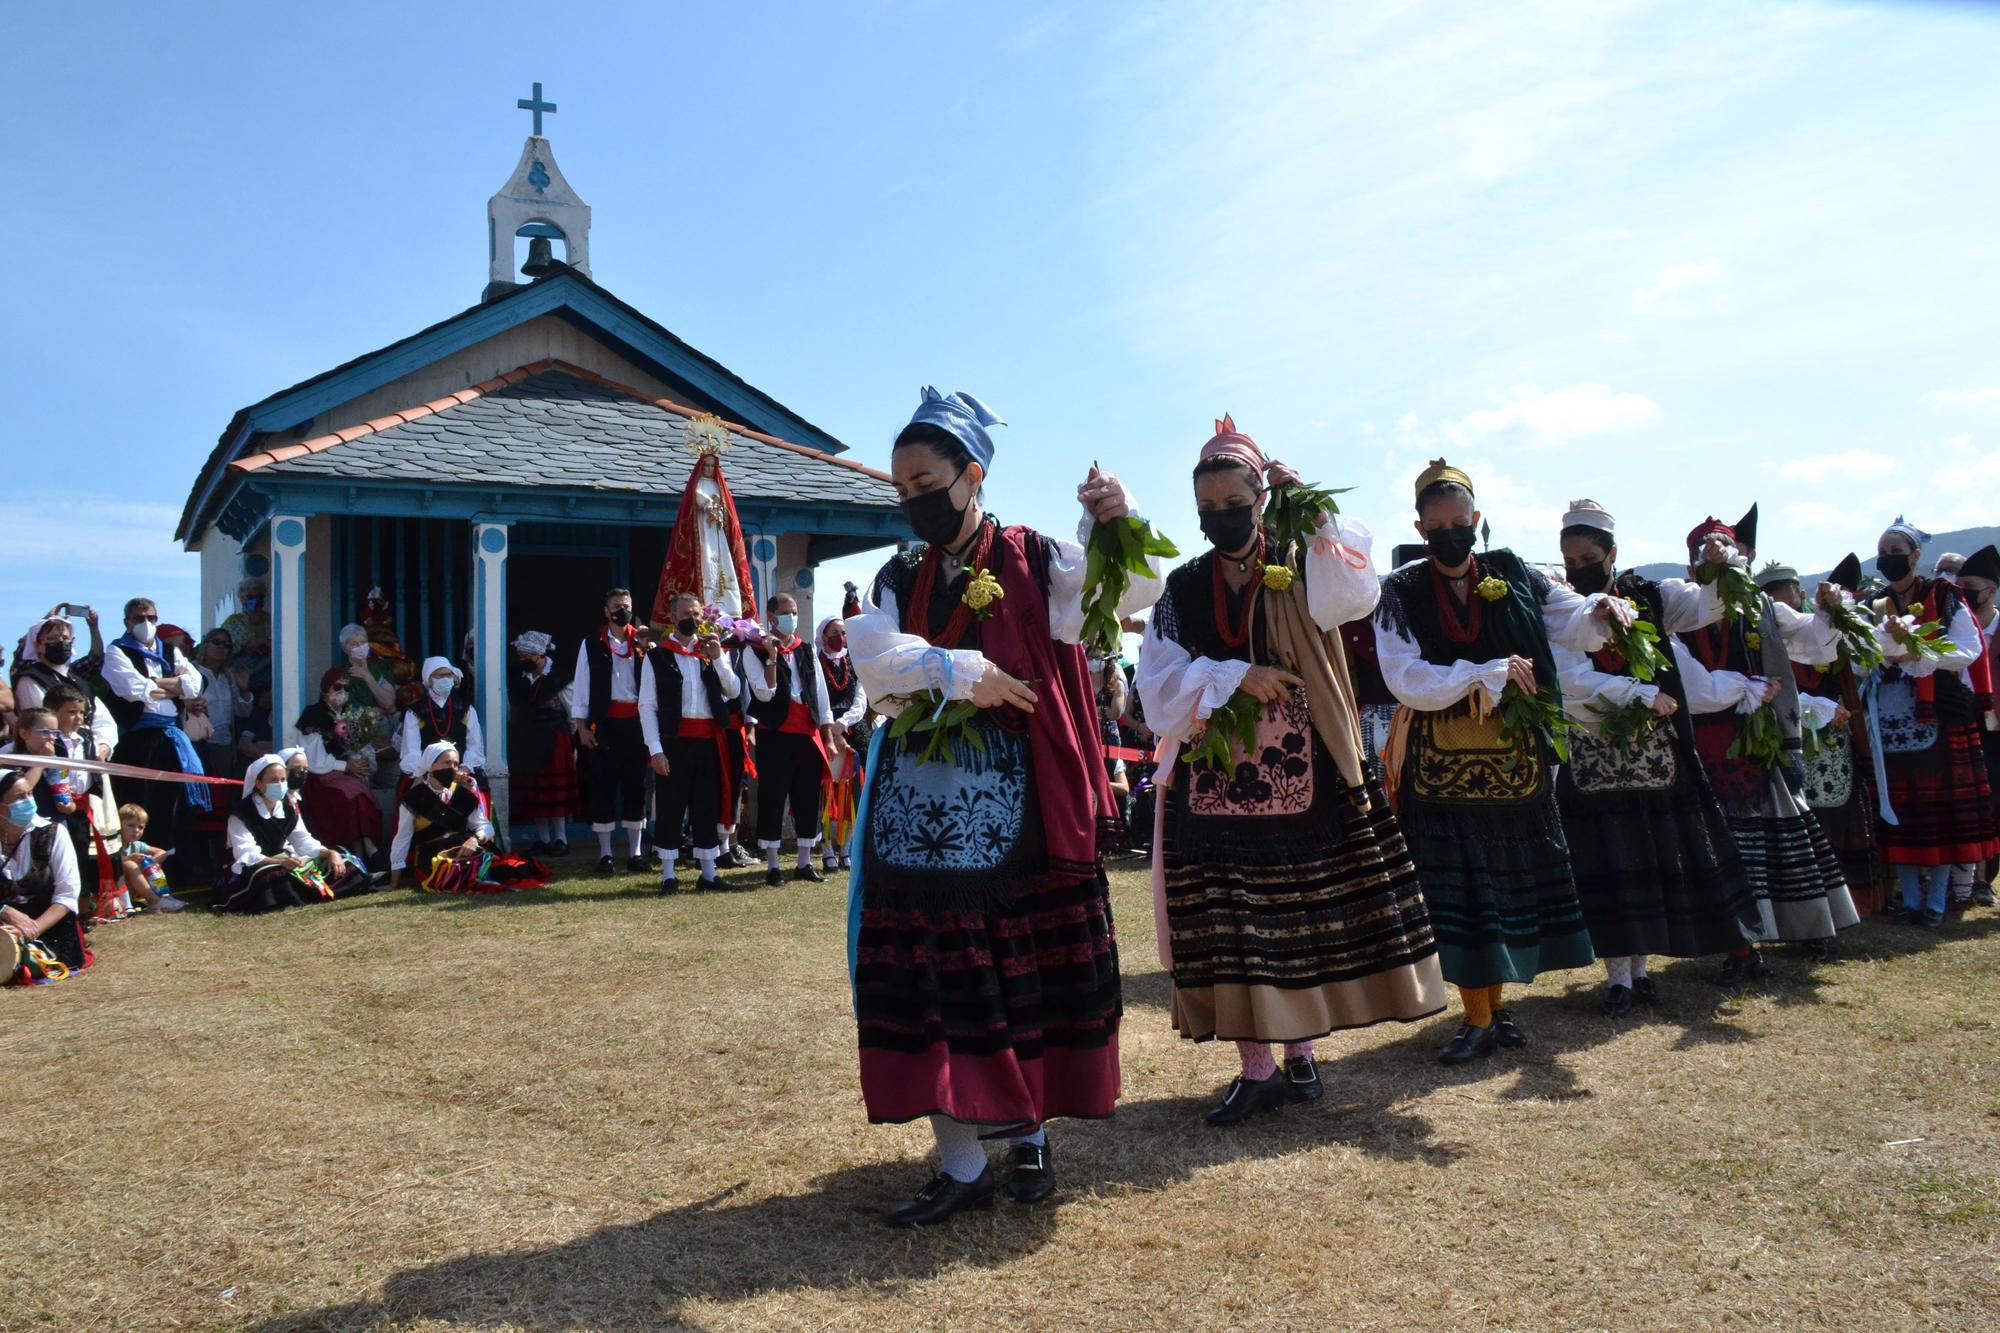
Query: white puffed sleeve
1810, 638
1716, 691
1426, 687
1340, 575
1966, 644
1177, 690
1572, 619
1066, 568
892, 663
1687, 606
1817, 710
1589, 693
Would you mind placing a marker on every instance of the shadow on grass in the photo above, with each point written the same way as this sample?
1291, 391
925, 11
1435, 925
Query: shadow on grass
831, 1237
585, 889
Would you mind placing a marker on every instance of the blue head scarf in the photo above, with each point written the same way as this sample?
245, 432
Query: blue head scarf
962, 417
1918, 537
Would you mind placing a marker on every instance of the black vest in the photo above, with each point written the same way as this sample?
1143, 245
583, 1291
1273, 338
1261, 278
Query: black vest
842, 698
125, 712
667, 692
600, 675
425, 710
270, 832
33, 893
449, 823
48, 678
802, 660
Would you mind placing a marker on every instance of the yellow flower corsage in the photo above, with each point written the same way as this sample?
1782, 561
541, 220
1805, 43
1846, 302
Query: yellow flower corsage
1753, 641
981, 591
1492, 588
1278, 578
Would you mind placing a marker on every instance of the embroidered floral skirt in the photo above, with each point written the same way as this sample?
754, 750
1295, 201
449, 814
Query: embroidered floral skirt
1656, 869
1480, 818
1292, 904
985, 985
1840, 788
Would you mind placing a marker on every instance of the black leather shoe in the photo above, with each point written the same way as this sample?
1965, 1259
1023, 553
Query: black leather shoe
1302, 1080
558, 848
1735, 970
1760, 966
638, 865
810, 872
708, 884
1245, 1099
606, 866
1617, 1001
1982, 895
1506, 1031
1468, 1044
774, 876
537, 848
668, 884
1644, 991
1932, 920
1031, 1174
943, 1197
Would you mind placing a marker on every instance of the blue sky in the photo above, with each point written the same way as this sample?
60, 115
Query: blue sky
1673, 254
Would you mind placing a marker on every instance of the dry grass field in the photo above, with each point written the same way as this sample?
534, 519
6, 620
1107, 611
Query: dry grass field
594, 1108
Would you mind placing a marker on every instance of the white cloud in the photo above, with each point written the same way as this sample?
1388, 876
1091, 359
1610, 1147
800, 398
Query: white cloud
1979, 400
1531, 418
1679, 278
1849, 465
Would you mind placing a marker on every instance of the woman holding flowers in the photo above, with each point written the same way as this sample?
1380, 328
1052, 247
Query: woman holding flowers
1737, 673
1288, 900
1931, 696
1656, 870
1465, 642
980, 943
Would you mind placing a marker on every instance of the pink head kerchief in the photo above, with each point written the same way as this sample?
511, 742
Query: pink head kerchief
1229, 442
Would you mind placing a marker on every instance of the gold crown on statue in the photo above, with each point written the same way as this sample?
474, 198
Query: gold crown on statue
706, 435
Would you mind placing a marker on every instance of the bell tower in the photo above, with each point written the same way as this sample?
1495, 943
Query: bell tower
536, 202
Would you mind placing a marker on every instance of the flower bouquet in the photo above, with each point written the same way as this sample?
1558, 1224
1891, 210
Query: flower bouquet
716, 621
1117, 550
1230, 730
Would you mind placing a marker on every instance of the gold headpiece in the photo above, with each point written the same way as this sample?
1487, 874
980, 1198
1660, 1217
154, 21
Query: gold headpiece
1438, 471
706, 435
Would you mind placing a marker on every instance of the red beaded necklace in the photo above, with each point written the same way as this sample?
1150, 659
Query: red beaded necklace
1234, 635
1461, 625
917, 615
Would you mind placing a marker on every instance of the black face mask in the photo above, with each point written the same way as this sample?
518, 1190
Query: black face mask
685, 627
933, 517
443, 776
1230, 529
295, 780
1895, 566
1590, 579
55, 654
1450, 546
621, 617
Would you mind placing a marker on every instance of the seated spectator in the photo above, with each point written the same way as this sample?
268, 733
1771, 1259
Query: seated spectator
443, 837
225, 696
41, 938
275, 860
148, 681
138, 867
336, 796
441, 715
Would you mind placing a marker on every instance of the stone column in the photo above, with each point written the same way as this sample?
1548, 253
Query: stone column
289, 666
493, 658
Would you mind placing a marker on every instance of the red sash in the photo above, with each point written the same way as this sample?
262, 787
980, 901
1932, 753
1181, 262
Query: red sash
621, 708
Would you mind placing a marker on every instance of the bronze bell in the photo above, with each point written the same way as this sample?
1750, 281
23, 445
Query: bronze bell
541, 261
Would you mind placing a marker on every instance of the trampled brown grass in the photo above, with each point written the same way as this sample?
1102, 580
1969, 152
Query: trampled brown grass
595, 1108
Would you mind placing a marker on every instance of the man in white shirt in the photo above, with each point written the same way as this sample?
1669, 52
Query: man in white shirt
149, 681
604, 709
684, 691
795, 733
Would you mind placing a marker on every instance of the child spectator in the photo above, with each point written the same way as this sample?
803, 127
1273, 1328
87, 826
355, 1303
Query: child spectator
140, 876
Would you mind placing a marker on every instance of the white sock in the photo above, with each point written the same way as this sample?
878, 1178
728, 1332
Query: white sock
1619, 970
806, 856
1638, 961
705, 858
635, 834
603, 840
667, 860
1038, 1138
542, 833
774, 855
960, 1153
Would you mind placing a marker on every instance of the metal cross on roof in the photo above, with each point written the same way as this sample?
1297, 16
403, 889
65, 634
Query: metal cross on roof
538, 106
